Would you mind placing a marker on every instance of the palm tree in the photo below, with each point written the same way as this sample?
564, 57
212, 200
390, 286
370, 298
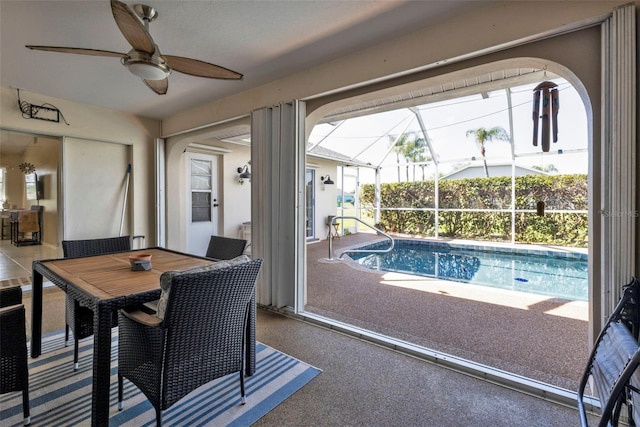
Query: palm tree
415, 152
410, 147
483, 135
421, 158
400, 147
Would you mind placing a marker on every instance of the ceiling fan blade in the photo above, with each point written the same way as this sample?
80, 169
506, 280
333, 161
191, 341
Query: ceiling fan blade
198, 68
158, 86
132, 28
77, 50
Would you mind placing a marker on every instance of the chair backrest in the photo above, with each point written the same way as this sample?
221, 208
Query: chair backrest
90, 247
10, 296
205, 320
221, 247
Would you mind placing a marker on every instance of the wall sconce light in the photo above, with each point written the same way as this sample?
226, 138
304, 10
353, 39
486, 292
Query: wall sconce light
244, 174
326, 180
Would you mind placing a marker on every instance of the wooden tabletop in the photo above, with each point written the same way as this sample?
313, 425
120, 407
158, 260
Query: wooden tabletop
110, 276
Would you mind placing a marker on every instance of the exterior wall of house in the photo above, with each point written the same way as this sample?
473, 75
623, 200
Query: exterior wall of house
235, 208
325, 195
236, 197
92, 124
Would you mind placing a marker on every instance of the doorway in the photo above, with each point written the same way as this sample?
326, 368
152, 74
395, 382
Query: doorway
42, 154
203, 201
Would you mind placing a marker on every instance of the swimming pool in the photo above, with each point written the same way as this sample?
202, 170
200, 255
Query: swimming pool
551, 273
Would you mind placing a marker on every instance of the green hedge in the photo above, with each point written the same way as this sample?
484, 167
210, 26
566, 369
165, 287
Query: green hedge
559, 192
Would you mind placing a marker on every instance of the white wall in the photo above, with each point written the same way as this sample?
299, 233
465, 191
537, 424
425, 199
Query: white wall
236, 202
326, 195
235, 199
99, 196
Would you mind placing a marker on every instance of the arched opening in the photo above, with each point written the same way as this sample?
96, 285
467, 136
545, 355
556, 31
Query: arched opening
455, 321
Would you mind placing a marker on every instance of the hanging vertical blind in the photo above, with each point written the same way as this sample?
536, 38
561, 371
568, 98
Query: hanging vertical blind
277, 201
618, 209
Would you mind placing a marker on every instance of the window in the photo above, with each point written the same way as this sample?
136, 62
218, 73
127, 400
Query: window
200, 190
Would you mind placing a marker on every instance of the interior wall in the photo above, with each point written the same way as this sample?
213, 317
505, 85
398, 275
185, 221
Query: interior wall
91, 123
14, 190
96, 202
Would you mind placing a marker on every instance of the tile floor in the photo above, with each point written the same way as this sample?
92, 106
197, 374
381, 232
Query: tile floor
15, 261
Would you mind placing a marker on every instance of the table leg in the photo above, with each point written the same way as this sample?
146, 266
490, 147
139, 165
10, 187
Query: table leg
36, 314
101, 365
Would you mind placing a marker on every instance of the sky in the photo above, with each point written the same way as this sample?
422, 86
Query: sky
368, 138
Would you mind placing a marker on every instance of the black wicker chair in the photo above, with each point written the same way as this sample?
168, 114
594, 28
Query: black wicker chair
198, 338
78, 318
14, 371
225, 248
221, 247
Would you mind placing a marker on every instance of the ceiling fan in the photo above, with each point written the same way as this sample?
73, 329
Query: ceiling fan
145, 60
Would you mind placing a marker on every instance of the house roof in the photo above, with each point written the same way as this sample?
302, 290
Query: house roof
479, 170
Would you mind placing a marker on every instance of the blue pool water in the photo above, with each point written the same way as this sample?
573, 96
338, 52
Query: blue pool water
555, 274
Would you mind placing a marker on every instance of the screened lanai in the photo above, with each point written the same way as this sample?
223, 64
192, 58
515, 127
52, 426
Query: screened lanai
431, 136
358, 146
402, 164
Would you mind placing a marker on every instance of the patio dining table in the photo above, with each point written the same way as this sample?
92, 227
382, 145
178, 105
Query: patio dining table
106, 283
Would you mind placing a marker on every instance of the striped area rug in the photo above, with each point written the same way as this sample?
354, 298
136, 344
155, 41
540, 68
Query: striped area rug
61, 397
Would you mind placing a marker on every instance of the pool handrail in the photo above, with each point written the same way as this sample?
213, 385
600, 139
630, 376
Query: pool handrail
377, 230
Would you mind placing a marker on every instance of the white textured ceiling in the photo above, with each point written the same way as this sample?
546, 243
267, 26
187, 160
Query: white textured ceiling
262, 39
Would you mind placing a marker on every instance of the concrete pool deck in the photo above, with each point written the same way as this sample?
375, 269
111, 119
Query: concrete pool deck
535, 336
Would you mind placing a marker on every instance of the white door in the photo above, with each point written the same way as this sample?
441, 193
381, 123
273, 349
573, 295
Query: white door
202, 201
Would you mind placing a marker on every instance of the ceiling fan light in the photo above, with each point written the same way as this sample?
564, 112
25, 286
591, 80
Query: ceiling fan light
148, 71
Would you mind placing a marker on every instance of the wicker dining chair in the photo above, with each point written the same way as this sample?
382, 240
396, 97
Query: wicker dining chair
225, 248
198, 336
78, 318
14, 371
221, 247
